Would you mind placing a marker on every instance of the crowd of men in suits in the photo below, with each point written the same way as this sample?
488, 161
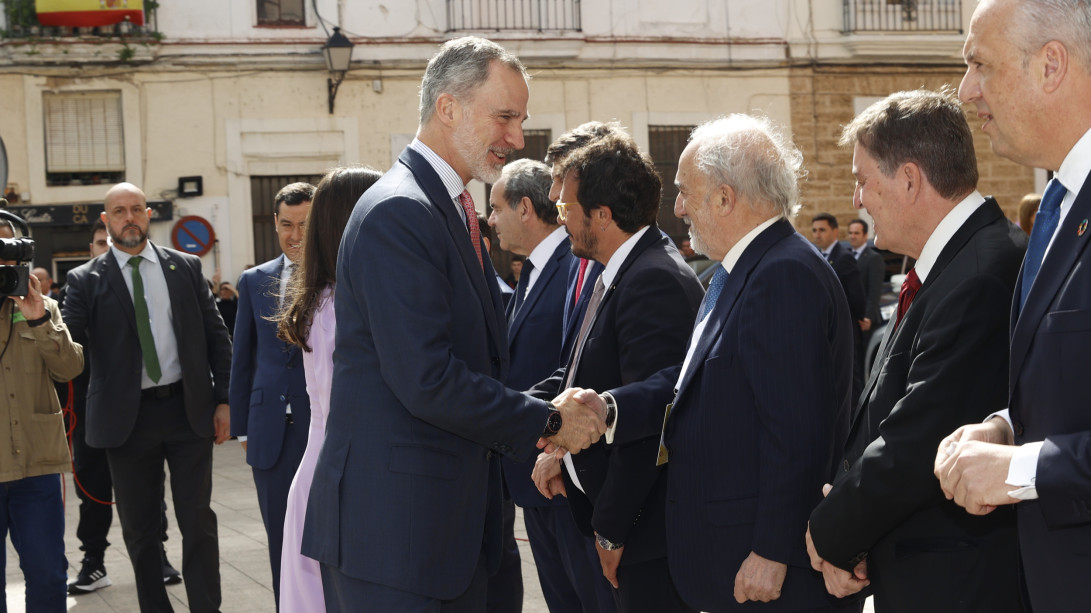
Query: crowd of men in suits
672, 449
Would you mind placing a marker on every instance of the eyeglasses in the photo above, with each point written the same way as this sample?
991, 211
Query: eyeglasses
562, 211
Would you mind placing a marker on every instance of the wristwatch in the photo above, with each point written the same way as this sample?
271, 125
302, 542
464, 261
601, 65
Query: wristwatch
553, 424
611, 408
607, 545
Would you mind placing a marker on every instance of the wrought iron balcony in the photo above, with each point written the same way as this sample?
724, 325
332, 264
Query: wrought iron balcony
903, 15
21, 21
503, 15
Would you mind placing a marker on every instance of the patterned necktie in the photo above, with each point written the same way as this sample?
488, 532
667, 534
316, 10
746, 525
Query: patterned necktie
471, 223
521, 287
910, 286
713, 294
1045, 224
585, 329
143, 323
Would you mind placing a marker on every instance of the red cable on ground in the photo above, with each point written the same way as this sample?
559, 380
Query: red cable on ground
70, 413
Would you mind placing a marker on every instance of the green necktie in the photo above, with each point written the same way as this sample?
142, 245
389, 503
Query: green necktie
144, 323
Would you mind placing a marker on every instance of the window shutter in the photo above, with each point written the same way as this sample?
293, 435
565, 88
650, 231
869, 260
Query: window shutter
84, 132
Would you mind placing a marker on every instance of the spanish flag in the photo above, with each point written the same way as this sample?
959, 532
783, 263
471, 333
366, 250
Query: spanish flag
89, 13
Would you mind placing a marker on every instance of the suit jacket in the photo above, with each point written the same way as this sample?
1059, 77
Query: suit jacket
266, 372
943, 366
844, 264
640, 327
757, 424
573, 308
100, 315
417, 414
534, 343
870, 265
1049, 340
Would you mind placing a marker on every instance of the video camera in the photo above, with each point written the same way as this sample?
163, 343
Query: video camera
14, 277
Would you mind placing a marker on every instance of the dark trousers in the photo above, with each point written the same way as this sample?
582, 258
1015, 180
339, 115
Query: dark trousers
162, 432
346, 594
647, 588
31, 510
568, 567
505, 593
272, 487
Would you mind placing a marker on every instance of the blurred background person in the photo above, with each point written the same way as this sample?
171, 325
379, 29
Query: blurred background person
1028, 210
307, 320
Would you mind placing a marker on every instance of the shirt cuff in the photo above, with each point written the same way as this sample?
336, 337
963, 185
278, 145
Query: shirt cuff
612, 428
241, 439
1023, 470
1002, 414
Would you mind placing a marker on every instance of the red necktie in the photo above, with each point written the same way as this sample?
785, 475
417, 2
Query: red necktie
579, 280
471, 223
910, 286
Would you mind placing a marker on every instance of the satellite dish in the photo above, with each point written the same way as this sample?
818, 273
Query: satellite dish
3, 168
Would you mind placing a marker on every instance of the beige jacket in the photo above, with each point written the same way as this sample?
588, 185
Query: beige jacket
32, 431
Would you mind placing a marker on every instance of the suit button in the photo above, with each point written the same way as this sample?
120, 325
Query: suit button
1017, 426
488, 455
845, 464
282, 398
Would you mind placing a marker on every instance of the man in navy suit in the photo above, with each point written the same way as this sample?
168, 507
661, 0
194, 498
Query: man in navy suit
526, 224
270, 409
943, 362
161, 359
405, 511
870, 264
1029, 75
824, 234
641, 311
757, 408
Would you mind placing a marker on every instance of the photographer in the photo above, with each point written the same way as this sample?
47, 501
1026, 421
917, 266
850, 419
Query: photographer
35, 350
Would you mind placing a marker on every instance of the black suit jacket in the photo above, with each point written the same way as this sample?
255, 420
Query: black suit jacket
1049, 401
945, 365
870, 265
641, 326
99, 312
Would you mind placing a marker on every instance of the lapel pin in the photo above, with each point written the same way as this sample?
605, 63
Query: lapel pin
172, 265
1083, 228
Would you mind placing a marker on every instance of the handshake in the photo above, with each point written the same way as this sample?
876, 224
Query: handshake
583, 421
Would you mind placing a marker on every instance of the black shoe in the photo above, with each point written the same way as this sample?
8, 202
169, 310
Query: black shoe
171, 576
92, 577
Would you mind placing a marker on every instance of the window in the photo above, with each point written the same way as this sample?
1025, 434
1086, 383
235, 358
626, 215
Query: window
665, 145
84, 138
280, 13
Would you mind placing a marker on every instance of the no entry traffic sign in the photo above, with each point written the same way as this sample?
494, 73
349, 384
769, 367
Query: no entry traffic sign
193, 234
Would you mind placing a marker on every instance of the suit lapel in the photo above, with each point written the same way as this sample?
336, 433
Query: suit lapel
544, 277
1068, 244
491, 303
110, 269
733, 288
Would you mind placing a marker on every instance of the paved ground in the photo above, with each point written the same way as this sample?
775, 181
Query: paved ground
244, 562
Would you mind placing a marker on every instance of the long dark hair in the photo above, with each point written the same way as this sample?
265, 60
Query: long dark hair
334, 200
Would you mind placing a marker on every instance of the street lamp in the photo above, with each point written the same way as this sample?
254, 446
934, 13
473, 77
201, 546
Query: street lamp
338, 54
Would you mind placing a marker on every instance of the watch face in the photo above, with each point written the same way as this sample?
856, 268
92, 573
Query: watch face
553, 424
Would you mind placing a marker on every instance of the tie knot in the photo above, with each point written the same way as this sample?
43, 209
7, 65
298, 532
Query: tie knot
1053, 196
912, 281
134, 261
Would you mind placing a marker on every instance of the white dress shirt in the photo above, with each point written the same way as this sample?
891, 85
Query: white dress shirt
159, 312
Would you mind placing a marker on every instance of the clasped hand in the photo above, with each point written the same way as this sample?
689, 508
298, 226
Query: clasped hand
583, 421
972, 466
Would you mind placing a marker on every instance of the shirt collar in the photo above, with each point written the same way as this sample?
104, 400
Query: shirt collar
614, 265
944, 231
739, 248
540, 255
451, 181
123, 258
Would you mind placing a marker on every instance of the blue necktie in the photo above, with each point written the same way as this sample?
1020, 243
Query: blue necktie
1045, 224
713, 294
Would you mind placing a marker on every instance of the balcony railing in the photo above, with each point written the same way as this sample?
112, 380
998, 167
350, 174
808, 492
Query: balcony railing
903, 15
21, 21
536, 15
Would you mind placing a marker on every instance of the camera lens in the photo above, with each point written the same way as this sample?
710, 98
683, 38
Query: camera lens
9, 280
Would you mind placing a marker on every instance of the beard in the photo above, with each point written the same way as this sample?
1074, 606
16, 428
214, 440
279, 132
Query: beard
129, 241
476, 154
696, 243
584, 240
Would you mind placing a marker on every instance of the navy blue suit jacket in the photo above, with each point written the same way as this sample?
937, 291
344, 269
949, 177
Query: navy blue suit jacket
573, 308
534, 343
266, 372
640, 327
1049, 401
407, 489
99, 312
757, 426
